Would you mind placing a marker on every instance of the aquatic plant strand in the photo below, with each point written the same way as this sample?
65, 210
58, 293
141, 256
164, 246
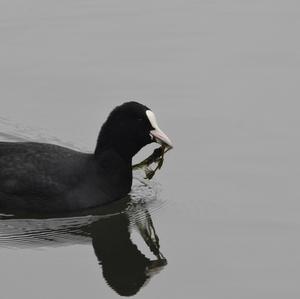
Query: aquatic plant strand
157, 157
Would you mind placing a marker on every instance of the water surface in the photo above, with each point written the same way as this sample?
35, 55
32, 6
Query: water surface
223, 79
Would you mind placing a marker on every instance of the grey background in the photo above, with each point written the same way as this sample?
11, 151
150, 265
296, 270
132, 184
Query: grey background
223, 80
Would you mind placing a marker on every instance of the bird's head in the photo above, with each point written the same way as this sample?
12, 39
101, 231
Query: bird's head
128, 128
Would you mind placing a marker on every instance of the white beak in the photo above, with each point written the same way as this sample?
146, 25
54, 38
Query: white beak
161, 138
157, 134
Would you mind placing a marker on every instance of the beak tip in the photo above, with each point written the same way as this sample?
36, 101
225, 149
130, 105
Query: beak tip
169, 144
161, 138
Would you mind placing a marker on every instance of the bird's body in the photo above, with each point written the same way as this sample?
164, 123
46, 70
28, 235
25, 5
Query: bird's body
46, 178
53, 178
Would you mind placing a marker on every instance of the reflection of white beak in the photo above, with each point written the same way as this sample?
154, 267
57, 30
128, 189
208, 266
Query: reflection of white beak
161, 138
157, 134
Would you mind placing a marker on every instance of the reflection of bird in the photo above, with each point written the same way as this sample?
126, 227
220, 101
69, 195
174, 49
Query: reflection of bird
49, 178
124, 266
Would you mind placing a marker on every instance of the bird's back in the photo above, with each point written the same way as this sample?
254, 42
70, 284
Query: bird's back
49, 178
31, 171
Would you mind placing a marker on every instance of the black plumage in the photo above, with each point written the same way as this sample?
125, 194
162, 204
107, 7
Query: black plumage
43, 177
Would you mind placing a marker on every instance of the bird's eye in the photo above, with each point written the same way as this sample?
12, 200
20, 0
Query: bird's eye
140, 119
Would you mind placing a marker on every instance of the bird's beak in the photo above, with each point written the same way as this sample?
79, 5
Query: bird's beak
160, 137
157, 134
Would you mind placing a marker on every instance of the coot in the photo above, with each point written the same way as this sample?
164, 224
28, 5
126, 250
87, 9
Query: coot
40, 177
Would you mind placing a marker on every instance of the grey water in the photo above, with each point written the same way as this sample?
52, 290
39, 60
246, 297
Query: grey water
221, 218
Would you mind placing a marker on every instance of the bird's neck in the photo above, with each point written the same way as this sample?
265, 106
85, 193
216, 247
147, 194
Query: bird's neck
118, 143
115, 170
122, 151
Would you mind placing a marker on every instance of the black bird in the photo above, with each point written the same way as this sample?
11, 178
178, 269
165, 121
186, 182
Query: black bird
47, 178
